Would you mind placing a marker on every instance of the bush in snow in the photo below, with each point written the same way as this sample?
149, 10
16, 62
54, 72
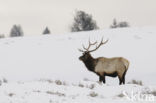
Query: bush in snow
11, 94
149, 91
152, 92
92, 86
59, 82
138, 82
81, 85
55, 93
93, 94
3, 80
120, 95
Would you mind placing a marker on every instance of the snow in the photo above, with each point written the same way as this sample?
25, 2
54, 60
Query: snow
30, 63
44, 91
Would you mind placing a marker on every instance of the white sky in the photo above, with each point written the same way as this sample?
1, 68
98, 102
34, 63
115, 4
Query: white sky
35, 15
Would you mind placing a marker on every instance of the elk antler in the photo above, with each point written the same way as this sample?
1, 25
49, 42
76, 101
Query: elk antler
81, 50
87, 49
90, 44
101, 43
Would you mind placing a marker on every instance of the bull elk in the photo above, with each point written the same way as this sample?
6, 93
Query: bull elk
103, 66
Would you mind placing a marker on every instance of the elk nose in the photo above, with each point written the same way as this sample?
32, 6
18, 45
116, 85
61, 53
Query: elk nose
80, 58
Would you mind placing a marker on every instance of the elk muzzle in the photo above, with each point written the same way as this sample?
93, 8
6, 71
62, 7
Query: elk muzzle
81, 58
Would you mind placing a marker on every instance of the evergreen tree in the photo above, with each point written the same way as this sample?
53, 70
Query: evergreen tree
114, 25
121, 24
83, 22
16, 31
46, 31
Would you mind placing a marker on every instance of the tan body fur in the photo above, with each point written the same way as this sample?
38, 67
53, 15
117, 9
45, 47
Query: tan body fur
109, 66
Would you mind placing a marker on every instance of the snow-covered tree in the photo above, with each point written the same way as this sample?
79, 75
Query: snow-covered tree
16, 31
114, 25
83, 22
46, 31
121, 24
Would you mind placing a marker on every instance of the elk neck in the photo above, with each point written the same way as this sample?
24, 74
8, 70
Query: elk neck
90, 63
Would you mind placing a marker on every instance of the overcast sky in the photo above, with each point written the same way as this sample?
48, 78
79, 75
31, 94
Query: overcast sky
35, 15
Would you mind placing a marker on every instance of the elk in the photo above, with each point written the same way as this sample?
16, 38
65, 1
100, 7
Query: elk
102, 66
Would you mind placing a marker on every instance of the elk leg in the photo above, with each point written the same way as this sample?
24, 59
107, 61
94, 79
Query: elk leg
120, 80
102, 79
123, 79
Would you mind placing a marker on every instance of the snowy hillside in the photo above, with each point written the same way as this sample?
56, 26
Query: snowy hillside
46, 69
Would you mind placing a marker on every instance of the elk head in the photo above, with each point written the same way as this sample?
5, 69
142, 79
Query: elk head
86, 52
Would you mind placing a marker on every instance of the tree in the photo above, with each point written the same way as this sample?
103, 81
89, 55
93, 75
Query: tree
114, 25
119, 24
83, 22
123, 24
16, 31
46, 31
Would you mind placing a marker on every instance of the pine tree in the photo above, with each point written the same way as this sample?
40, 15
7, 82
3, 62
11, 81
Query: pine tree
46, 31
121, 24
114, 25
16, 31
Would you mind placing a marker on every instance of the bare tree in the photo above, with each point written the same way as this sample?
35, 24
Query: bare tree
83, 22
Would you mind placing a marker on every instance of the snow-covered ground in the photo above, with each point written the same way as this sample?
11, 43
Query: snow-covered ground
46, 69
49, 91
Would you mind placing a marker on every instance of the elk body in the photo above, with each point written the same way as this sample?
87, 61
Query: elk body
103, 66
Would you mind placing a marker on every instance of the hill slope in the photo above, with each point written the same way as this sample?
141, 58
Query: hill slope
55, 57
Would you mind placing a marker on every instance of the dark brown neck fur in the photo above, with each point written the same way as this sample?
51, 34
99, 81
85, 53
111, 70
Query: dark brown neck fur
90, 63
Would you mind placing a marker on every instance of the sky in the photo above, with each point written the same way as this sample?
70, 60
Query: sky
35, 15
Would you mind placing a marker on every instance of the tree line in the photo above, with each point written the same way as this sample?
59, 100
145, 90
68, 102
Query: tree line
82, 22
